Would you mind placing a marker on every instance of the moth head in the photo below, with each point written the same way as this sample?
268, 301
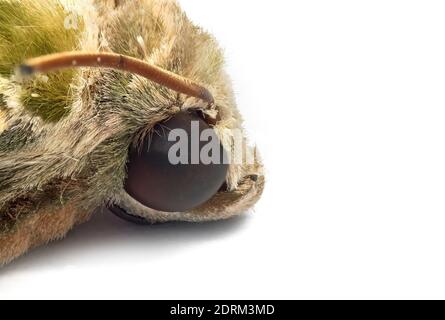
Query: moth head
76, 140
166, 170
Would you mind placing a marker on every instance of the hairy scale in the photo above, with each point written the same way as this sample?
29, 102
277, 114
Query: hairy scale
33, 28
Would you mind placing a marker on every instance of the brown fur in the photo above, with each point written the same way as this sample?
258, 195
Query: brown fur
39, 228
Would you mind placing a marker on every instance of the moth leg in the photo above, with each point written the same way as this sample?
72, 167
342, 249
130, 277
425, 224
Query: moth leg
38, 229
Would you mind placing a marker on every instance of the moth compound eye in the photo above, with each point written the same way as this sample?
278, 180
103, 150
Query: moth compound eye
179, 167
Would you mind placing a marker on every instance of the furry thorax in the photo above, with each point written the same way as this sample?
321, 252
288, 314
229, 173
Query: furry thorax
64, 136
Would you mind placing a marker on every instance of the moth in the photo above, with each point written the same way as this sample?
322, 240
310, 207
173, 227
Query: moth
94, 96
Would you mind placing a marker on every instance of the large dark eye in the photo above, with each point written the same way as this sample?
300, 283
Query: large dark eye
179, 167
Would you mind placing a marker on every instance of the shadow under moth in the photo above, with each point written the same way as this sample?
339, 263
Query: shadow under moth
94, 96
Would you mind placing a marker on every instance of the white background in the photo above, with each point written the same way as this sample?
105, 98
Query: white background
346, 100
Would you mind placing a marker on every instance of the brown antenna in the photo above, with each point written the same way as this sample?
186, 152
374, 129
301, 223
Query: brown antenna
163, 77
